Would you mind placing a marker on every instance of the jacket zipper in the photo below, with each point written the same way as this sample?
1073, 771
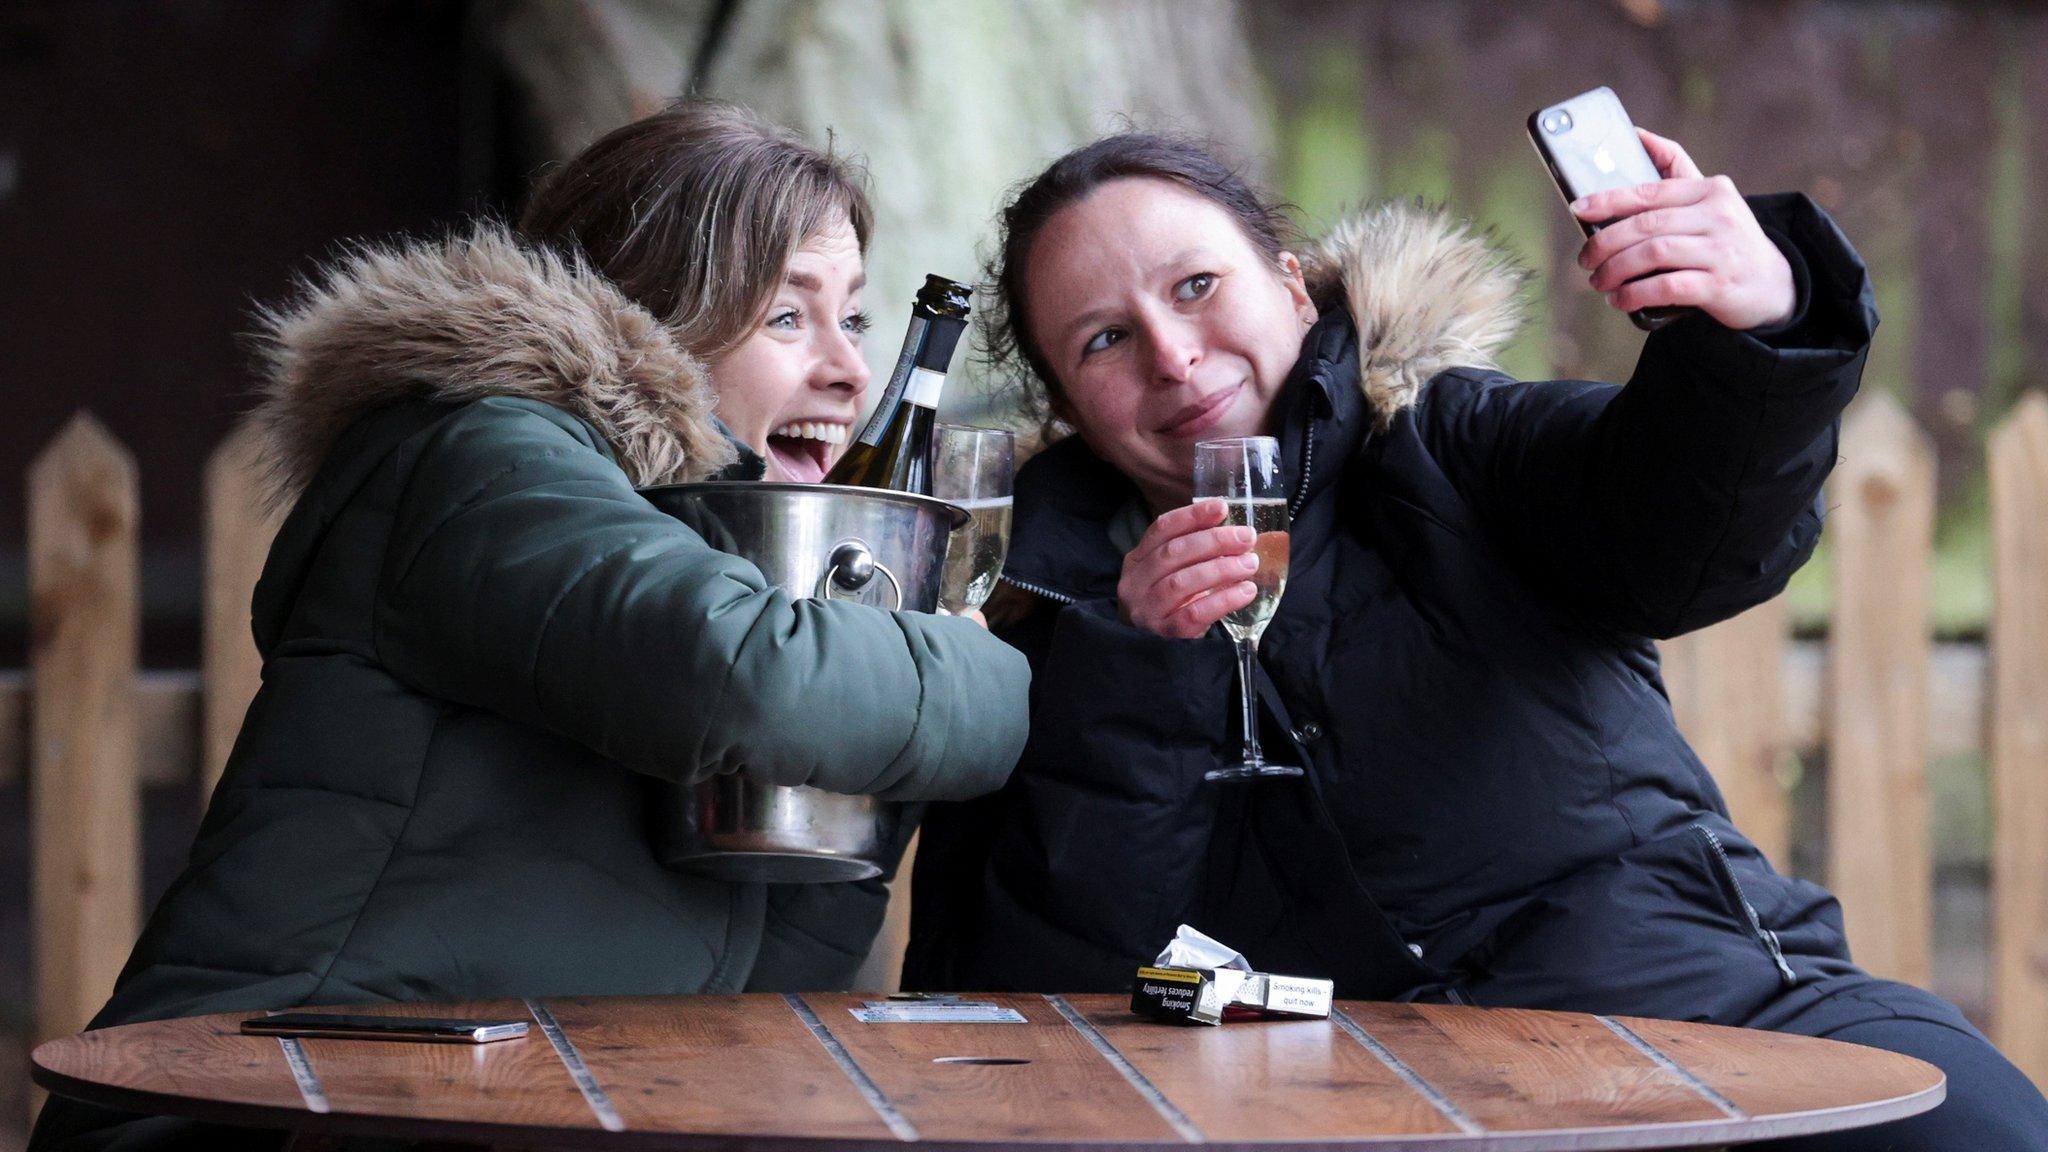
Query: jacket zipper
1765, 936
1308, 461
1036, 589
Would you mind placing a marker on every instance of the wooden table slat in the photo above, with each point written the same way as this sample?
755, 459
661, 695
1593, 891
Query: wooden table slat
518, 1082
1505, 1068
1289, 1079
1064, 1090
668, 1065
202, 1057
1767, 1073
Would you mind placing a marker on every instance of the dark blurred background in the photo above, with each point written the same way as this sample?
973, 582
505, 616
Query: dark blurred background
166, 165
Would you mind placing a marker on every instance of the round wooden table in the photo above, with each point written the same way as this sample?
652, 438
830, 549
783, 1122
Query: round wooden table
770, 1073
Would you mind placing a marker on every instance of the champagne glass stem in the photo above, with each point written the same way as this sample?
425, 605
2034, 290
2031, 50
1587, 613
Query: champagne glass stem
1247, 659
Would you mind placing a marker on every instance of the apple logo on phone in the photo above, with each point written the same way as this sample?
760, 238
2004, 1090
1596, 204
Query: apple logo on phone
1603, 159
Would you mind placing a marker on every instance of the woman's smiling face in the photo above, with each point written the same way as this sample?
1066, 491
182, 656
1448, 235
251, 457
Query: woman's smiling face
1163, 326
792, 388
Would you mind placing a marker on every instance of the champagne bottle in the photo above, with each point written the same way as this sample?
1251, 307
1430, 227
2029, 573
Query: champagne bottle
894, 449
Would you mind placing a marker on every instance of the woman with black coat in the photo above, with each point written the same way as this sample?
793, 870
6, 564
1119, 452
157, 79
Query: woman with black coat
1498, 807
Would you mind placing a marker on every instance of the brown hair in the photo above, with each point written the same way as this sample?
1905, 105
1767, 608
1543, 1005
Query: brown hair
695, 211
1013, 352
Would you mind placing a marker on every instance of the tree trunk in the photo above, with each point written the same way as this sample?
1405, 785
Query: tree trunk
949, 104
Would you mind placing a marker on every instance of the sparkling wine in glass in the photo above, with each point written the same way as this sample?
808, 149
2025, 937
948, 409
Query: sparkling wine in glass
1244, 473
972, 467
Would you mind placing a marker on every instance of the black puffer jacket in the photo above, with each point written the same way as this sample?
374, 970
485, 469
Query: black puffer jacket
1498, 803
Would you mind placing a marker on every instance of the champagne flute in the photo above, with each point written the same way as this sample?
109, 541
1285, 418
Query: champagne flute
1244, 472
972, 467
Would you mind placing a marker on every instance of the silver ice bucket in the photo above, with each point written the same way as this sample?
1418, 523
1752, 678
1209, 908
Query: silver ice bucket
886, 549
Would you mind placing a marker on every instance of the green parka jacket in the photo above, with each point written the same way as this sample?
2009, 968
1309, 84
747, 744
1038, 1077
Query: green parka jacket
483, 651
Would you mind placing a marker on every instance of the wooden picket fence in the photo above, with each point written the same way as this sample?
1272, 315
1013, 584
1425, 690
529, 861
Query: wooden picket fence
94, 730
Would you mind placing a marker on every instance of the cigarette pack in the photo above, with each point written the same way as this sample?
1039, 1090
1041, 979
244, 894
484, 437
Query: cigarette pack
1214, 995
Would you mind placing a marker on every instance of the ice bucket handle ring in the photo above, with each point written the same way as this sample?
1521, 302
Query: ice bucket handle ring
851, 567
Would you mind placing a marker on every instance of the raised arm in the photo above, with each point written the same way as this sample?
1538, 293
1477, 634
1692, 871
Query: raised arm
1693, 492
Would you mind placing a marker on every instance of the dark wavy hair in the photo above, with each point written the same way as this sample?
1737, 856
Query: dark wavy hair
1013, 353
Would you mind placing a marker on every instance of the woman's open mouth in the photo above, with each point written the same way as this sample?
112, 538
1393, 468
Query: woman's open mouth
803, 449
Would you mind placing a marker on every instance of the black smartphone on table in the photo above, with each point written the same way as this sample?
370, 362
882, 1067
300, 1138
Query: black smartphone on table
341, 1026
1590, 145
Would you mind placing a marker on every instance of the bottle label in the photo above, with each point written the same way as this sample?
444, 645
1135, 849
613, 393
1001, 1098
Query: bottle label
924, 387
906, 361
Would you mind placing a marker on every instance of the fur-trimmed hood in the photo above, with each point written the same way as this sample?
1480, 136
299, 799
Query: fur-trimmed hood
483, 313
1426, 292
480, 313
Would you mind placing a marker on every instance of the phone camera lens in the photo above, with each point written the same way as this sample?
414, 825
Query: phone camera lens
1557, 122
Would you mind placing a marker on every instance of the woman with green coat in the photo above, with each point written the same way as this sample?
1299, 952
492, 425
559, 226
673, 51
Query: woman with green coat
486, 656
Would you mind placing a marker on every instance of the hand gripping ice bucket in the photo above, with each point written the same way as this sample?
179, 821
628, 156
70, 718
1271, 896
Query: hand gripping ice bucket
886, 549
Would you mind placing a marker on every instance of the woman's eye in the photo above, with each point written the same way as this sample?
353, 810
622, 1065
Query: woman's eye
1102, 340
787, 318
857, 323
1194, 287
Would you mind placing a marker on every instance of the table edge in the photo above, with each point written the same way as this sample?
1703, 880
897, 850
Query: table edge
1689, 1133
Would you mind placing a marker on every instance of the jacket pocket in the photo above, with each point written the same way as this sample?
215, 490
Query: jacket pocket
1738, 902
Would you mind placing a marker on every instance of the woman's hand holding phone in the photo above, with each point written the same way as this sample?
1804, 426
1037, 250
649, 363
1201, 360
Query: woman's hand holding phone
1688, 240
1188, 571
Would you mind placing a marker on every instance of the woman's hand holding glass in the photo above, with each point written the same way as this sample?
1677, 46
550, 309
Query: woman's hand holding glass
1245, 472
1188, 572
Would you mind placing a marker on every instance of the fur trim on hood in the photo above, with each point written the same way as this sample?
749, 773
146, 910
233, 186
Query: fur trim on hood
478, 314
1426, 292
